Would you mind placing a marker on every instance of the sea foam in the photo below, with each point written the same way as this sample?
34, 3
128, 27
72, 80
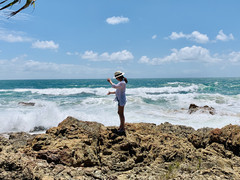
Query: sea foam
166, 102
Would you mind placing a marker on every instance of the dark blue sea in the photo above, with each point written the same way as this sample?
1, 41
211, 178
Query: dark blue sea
148, 100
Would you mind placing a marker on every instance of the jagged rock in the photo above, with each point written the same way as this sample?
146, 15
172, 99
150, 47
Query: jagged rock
178, 130
88, 150
229, 136
203, 109
200, 138
72, 143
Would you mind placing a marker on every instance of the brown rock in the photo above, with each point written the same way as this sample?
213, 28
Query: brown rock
200, 138
205, 109
229, 136
27, 103
88, 150
178, 130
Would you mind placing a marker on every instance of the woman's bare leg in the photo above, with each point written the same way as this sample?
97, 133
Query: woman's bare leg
121, 116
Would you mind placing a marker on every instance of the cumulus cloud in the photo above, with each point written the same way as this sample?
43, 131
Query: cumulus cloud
194, 36
21, 68
117, 20
234, 57
223, 37
45, 45
176, 35
123, 55
18, 37
186, 54
198, 37
145, 59
13, 36
90, 55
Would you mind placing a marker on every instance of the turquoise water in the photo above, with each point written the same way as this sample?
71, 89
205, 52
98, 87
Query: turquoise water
149, 100
226, 86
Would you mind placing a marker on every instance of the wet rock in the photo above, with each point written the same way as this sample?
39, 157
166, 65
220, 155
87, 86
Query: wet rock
193, 108
38, 128
27, 103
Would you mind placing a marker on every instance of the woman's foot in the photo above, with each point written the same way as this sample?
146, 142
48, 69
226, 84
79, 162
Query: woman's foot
121, 129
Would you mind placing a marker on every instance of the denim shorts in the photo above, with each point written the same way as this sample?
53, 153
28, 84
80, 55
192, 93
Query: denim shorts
121, 102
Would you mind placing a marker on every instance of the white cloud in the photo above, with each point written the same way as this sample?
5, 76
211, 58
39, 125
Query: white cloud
154, 36
72, 54
234, 57
45, 45
117, 20
123, 55
186, 54
13, 36
18, 36
176, 35
90, 55
144, 59
194, 36
223, 37
21, 68
69, 53
198, 37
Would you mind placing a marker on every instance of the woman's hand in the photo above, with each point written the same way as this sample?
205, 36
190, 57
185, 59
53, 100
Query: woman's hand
109, 80
110, 93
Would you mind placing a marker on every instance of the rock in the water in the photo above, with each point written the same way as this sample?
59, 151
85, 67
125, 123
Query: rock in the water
203, 109
27, 103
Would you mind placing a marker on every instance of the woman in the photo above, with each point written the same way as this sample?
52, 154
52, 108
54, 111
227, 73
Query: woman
120, 96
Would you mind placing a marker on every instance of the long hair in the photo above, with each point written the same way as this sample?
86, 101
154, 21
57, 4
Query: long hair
123, 78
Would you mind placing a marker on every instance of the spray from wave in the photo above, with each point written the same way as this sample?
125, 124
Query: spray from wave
168, 101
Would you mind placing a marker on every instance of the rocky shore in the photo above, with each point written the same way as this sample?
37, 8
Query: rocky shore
89, 150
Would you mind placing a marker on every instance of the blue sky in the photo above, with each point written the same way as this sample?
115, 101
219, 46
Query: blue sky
144, 39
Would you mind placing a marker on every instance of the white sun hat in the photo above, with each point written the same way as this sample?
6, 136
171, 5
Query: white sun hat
118, 74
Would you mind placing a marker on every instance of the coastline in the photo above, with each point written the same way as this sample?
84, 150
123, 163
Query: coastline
88, 150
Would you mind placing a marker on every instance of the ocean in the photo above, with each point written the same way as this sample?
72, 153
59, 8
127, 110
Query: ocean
148, 100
